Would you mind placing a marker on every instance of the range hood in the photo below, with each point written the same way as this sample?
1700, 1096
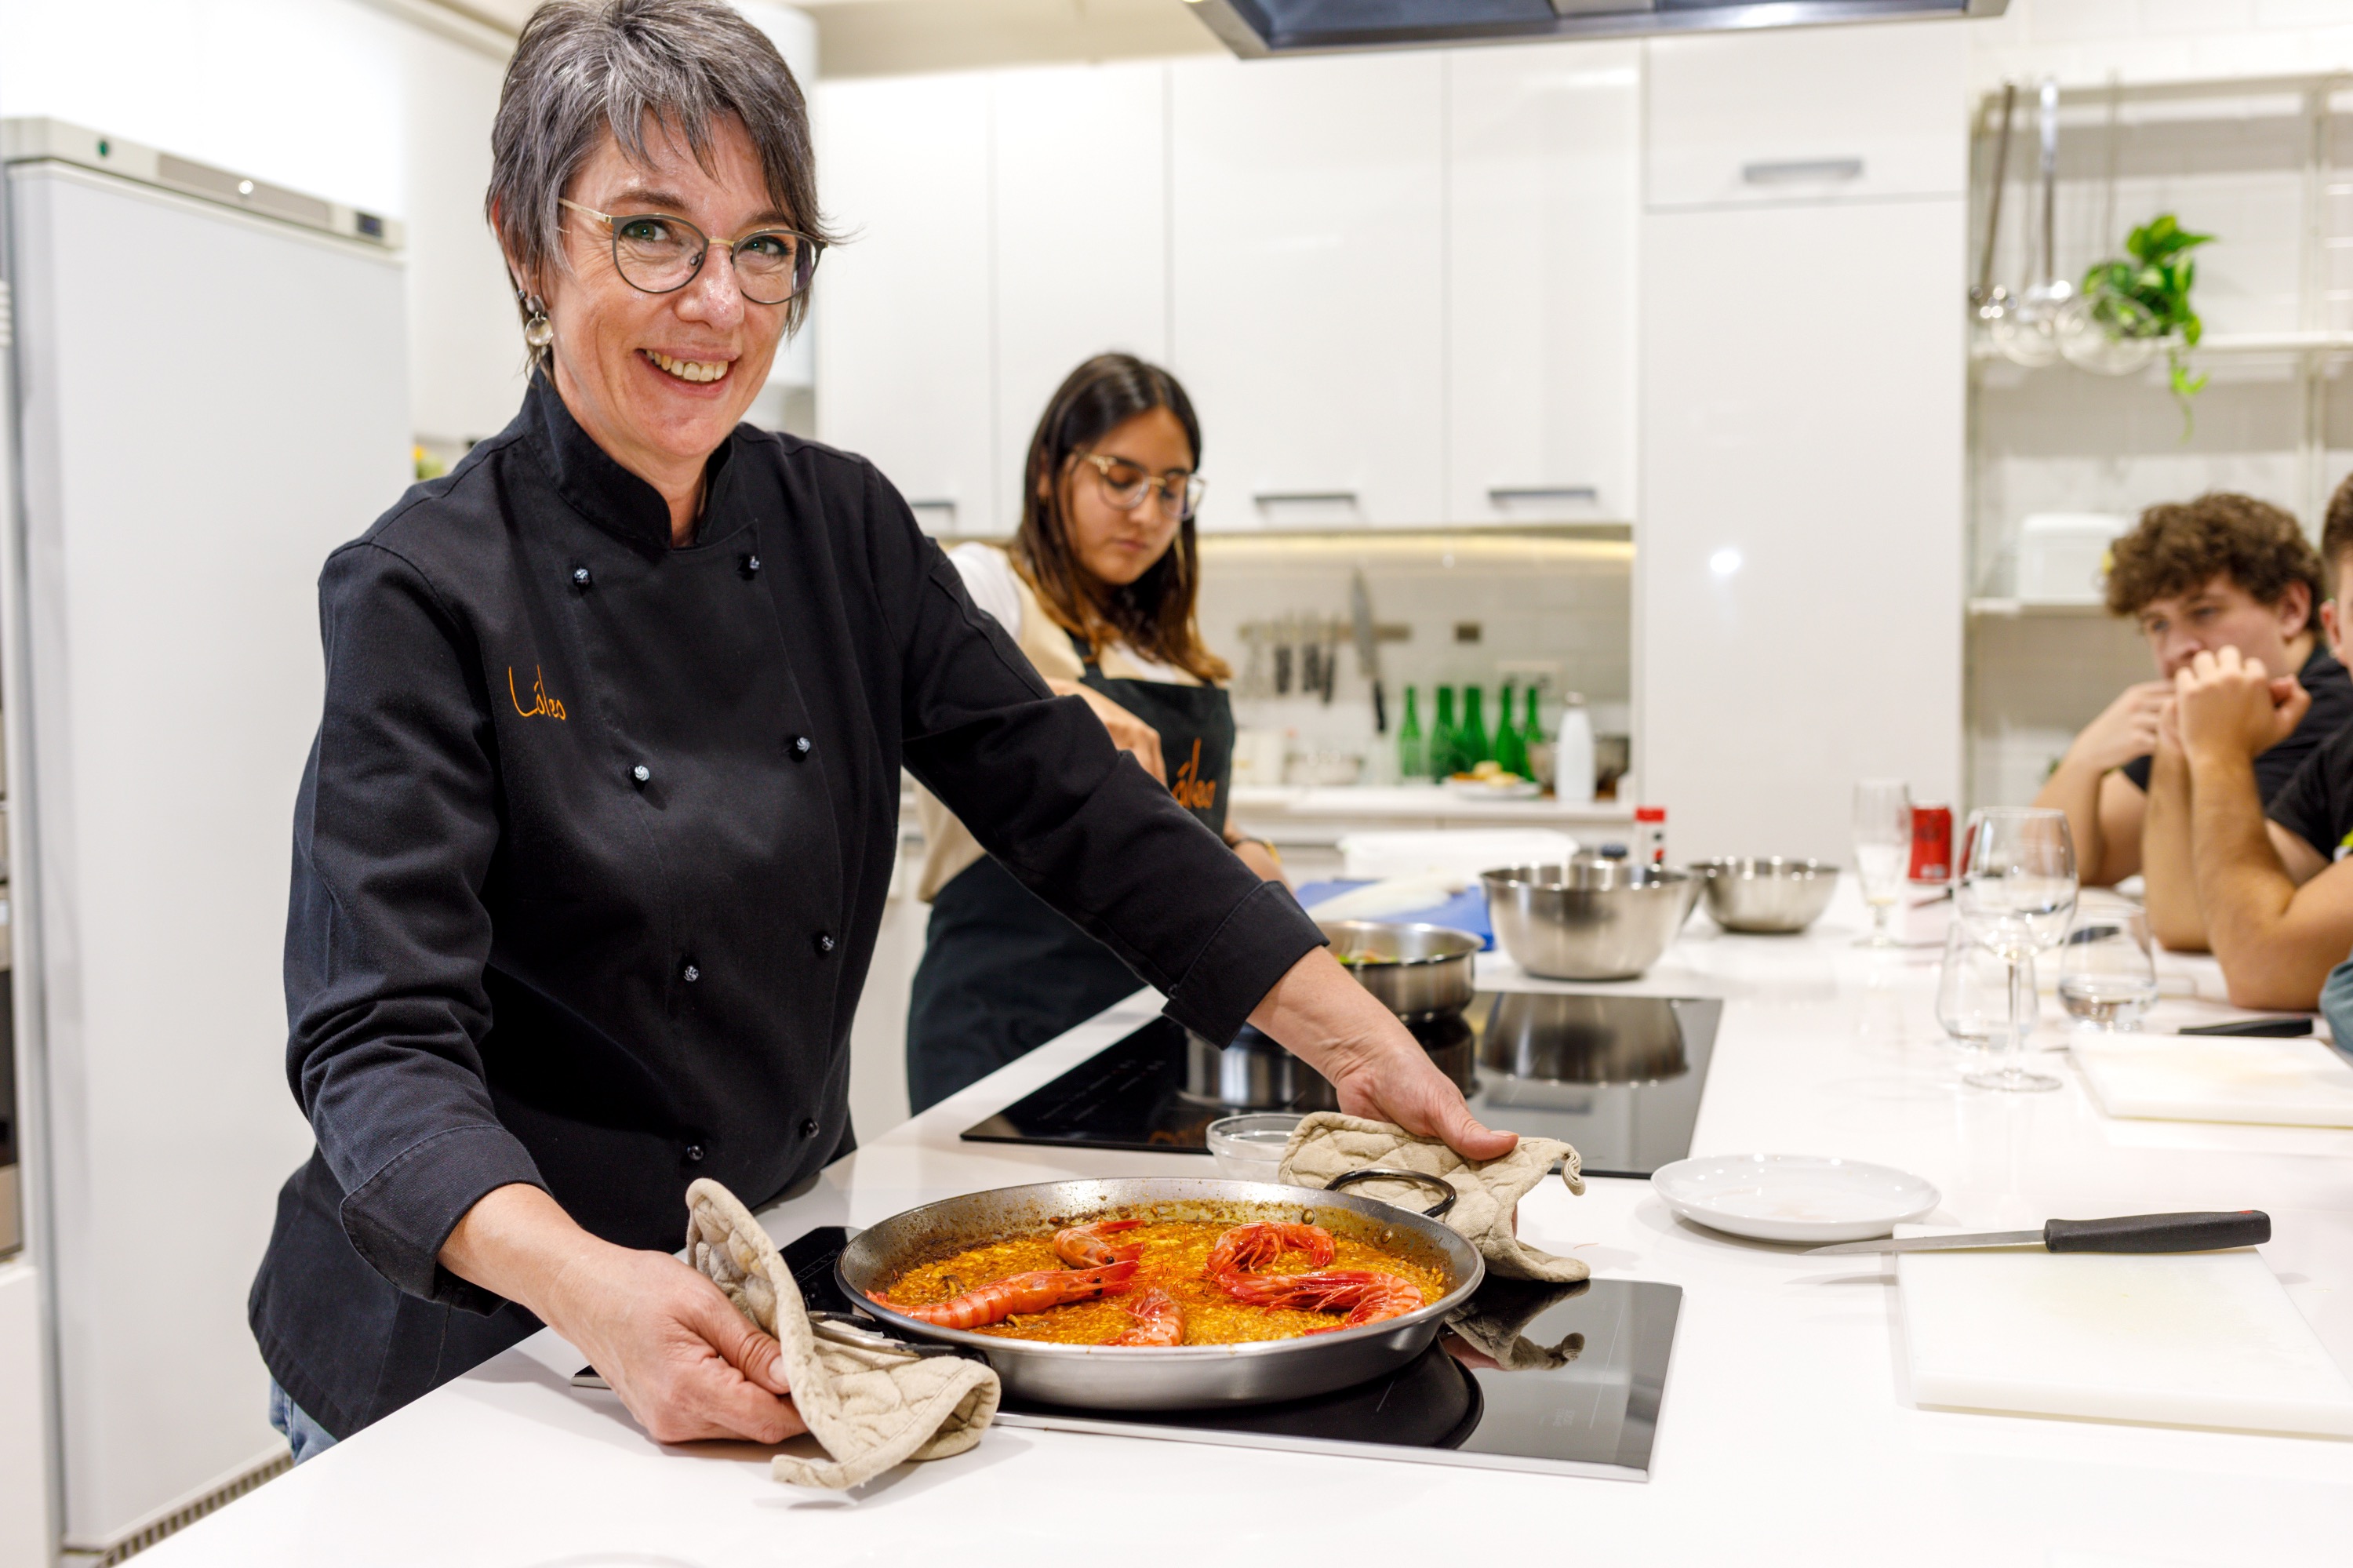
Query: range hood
1258, 27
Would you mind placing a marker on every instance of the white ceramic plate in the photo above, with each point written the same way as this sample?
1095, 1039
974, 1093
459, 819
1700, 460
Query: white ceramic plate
1793, 1197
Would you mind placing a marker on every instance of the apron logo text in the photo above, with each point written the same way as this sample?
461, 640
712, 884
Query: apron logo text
1192, 791
542, 704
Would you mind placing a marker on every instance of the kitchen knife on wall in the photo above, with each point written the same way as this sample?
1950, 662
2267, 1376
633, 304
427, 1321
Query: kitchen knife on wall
2208, 1232
1369, 646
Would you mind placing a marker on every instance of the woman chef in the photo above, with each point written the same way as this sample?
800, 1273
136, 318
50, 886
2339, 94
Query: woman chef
593, 840
1098, 590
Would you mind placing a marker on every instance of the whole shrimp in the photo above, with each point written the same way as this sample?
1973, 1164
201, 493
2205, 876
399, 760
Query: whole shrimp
1159, 1320
1246, 1249
996, 1302
1083, 1246
1370, 1295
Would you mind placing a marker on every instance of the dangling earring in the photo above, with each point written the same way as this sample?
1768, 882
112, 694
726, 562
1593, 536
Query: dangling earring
538, 332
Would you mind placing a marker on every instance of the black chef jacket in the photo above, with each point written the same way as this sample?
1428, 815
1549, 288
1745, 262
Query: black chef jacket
591, 850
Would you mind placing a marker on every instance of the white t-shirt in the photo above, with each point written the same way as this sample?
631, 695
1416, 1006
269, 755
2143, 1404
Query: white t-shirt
988, 577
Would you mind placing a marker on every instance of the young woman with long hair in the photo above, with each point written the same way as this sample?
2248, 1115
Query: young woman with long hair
1098, 589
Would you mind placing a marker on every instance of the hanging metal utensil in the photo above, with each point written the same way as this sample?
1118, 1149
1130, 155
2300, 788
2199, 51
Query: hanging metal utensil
1992, 299
2028, 333
1368, 645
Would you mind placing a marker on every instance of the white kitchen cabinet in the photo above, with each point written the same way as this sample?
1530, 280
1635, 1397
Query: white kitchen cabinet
1798, 571
1308, 285
1807, 114
905, 370
1081, 236
1543, 171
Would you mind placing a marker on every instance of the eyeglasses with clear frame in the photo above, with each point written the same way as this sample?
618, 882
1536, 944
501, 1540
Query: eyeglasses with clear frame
1125, 485
658, 254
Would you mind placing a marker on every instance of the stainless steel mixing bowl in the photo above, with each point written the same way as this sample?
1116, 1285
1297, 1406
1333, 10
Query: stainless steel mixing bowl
1589, 918
1418, 971
1768, 894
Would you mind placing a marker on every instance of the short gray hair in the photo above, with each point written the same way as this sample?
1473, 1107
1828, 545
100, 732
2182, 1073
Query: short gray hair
584, 69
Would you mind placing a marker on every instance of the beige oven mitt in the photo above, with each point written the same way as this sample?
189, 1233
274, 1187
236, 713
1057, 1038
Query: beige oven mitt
1328, 1144
869, 1401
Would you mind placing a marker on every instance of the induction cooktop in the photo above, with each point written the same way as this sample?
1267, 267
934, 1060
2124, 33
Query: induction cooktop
1619, 1078
1563, 1379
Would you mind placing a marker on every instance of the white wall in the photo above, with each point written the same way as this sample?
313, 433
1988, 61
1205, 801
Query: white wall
333, 97
25, 1531
2086, 41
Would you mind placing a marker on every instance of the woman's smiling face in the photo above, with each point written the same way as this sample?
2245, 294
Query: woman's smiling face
659, 380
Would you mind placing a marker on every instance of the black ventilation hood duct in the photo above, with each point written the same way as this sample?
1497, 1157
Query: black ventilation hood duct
1257, 28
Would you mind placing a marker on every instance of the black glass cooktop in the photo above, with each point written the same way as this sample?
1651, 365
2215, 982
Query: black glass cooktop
1563, 1379
1619, 1078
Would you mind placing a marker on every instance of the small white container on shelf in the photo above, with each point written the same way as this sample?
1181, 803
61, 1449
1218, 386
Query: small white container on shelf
2063, 556
1572, 764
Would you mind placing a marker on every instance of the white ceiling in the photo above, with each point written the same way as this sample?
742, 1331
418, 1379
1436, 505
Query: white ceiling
880, 37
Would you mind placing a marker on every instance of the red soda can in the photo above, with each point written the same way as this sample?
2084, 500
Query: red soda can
1932, 843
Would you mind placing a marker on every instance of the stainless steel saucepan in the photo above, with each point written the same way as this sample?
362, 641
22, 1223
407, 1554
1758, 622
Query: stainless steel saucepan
1181, 1377
1418, 971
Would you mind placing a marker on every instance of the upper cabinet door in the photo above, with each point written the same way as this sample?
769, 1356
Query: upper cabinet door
1808, 114
1544, 196
1082, 238
1308, 284
903, 310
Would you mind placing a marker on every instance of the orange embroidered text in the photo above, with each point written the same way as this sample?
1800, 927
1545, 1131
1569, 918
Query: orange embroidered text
542, 704
1193, 792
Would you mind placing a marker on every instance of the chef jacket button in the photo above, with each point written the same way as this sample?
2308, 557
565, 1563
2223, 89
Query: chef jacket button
580, 577
809, 1128
690, 974
694, 1154
642, 774
823, 944
751, 564
802, 746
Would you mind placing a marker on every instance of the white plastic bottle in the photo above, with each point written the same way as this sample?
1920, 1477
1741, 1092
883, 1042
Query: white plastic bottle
1572, 757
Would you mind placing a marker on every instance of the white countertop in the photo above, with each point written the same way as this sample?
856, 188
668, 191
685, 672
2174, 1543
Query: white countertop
1785, 1437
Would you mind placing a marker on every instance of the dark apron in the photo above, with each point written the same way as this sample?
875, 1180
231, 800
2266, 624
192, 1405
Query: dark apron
1003, 973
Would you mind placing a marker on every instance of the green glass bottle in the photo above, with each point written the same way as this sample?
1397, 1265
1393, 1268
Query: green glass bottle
1511, 756
1472, 744
1442, 759
1413, 756
1532, 732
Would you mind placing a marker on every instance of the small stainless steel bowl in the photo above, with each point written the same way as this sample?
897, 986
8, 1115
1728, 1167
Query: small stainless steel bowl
1766, 894
1418, 971
1589, 918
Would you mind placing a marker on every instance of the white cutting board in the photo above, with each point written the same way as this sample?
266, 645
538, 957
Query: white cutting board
2298, 1083
2181, 1338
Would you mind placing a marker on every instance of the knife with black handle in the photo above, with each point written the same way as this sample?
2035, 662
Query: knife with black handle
2211, 1231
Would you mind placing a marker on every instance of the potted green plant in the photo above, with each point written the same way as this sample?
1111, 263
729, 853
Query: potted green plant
2132, 305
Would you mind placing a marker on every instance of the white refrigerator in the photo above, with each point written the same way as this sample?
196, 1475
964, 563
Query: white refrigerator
209, 381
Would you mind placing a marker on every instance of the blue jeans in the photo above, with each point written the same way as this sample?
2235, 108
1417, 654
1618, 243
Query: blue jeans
307, 1436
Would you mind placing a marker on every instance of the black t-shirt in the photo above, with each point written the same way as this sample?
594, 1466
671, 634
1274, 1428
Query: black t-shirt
2316, 805
2331, 710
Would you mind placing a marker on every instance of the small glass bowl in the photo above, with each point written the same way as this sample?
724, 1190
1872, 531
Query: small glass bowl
1249, 1147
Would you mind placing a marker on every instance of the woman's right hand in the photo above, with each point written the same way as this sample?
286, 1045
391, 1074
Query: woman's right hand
1128, 732
685, 1362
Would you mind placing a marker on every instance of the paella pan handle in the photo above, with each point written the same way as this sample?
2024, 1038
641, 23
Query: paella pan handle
1413, 1178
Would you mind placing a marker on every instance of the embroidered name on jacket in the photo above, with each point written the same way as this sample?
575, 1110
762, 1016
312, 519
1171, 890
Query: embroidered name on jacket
542, 704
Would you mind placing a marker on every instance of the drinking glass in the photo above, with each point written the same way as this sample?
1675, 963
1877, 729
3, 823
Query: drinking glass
1883, 852
2107, 975
1973, 992
2015, 895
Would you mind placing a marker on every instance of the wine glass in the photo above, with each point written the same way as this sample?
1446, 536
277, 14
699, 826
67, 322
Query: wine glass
2107, 975
2016, 893
1883, 852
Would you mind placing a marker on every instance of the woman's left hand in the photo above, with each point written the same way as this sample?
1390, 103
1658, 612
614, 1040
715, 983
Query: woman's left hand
1380, 1071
